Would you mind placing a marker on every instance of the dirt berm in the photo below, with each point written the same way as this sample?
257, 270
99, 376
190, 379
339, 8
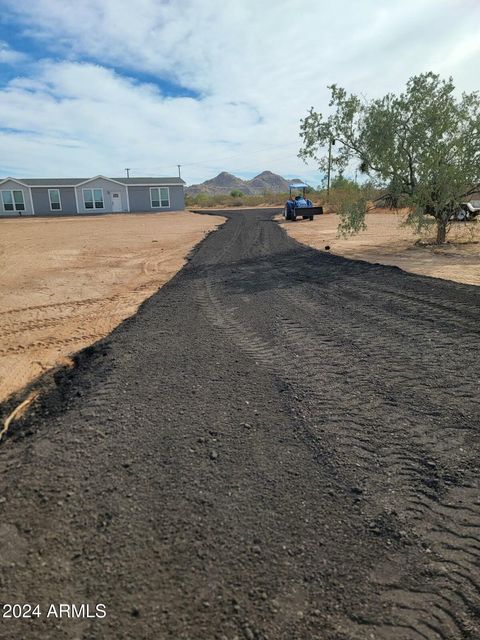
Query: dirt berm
281, 444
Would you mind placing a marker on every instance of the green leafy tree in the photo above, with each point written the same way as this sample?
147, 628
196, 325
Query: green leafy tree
236, 193
340, 182
424, 144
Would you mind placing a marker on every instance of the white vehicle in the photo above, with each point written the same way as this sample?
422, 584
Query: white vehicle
468, 210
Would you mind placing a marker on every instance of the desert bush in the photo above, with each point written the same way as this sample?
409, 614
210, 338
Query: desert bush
229, 200
203, 200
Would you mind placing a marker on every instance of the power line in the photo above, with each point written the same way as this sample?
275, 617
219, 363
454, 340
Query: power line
217, 160
156, 170
236, 155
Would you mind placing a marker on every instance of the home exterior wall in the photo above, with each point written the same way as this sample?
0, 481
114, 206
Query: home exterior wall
41, 201
108, 188
139, 197
134, 197
11, 185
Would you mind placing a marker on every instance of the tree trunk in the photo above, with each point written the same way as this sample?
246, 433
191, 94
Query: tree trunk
441, 231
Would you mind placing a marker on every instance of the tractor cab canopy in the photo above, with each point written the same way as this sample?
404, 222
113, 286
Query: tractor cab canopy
300, 205
298, 185
299, 201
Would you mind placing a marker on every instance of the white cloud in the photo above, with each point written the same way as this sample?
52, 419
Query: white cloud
9, 56
258, 67
85, 118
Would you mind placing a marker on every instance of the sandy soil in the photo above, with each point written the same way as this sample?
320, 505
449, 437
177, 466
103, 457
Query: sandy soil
386, 241
219, 207
66, 282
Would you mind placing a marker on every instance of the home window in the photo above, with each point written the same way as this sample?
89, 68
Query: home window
13, 201
55, 202
159, 197
93, 198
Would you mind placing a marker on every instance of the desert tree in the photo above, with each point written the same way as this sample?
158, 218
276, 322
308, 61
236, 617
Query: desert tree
423, 145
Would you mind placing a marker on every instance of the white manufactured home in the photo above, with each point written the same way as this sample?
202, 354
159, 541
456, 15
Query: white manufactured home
66, 196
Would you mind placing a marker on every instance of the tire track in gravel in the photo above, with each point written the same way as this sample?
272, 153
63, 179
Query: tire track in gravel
451, 536
397, 474
342, 500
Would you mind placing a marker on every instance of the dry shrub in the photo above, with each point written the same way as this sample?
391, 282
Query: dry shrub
264, 199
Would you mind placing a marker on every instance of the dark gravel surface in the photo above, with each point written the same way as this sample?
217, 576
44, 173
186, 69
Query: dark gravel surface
281, 445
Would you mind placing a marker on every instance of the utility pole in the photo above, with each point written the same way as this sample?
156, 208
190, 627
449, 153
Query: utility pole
179, 172
128, 172
331, 141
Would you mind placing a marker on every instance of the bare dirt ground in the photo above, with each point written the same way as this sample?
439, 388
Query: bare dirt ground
66, 282
386, 241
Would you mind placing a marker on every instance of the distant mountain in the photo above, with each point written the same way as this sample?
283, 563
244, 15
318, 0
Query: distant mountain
224, 183
268, 182
221, 184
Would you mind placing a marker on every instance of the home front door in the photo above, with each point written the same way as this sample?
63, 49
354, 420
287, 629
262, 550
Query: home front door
116, 201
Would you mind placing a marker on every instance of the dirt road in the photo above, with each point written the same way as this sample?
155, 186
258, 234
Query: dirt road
281, 445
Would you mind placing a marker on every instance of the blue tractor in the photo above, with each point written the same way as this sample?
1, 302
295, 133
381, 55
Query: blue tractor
299, 205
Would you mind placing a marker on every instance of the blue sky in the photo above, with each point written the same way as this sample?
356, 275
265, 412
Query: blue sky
91, 87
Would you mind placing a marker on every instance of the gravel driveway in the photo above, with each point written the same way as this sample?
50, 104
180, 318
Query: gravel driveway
281, 445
